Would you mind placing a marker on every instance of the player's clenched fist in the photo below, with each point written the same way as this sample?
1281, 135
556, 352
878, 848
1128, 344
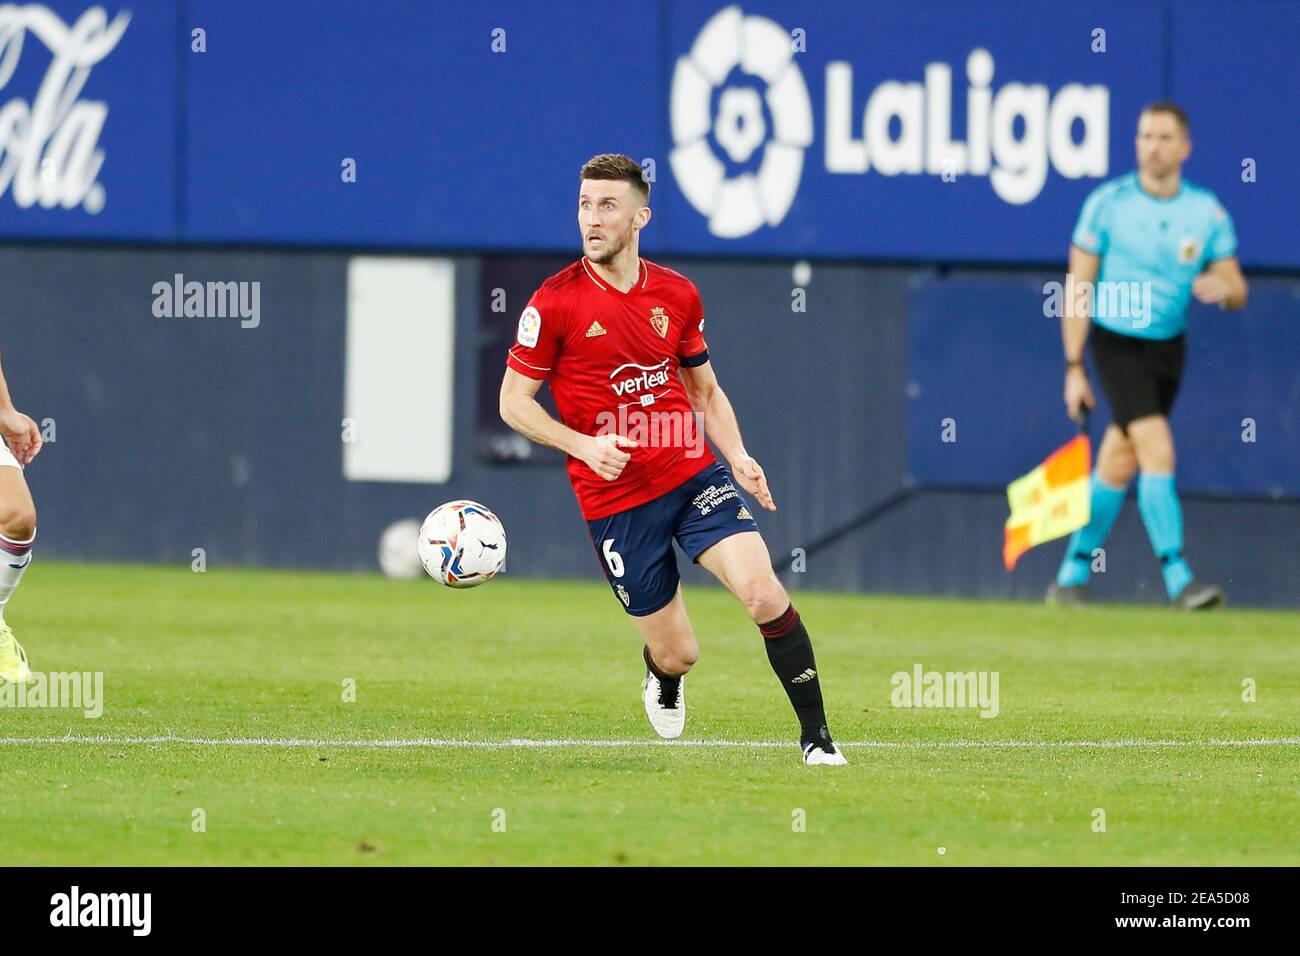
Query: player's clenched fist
1211, 289
21, 433
605, 455
750, 475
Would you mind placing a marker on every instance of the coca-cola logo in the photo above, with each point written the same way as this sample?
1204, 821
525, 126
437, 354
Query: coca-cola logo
49, 145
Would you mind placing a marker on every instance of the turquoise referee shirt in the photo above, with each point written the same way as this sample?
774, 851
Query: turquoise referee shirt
1151, 250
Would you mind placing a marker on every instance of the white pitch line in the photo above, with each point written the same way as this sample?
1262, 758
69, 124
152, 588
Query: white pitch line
524, 743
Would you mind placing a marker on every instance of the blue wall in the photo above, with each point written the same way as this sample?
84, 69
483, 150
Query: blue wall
983, 355
174, 434
458, 147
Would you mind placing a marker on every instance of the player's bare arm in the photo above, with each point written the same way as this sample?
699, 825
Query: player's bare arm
18, 430
1083, 269
1222, 284
708, 398
521, 411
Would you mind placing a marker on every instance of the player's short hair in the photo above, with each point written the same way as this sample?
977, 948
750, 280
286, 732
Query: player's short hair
1172, 109
616, 166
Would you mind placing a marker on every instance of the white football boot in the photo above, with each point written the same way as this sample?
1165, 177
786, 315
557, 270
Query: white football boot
822, 751
665, 704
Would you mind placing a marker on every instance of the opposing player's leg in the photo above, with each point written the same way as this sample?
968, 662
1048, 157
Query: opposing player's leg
1116, 465
17, 535
1162, 513
635, 550
741, 562
670, 651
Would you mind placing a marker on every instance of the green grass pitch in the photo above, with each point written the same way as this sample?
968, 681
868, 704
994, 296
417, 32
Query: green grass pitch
1192, 773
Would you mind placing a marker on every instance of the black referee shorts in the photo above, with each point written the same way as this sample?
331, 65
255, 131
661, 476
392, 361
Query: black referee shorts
1139, 376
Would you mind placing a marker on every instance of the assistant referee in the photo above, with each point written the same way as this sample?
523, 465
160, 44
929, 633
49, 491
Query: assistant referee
1144, 245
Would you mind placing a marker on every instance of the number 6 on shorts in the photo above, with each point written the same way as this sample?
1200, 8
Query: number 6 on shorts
612, 557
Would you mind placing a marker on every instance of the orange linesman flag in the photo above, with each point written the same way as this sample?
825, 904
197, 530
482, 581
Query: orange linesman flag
1049, 502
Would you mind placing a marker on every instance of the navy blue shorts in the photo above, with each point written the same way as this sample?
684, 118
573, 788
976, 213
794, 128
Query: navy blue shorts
635, 547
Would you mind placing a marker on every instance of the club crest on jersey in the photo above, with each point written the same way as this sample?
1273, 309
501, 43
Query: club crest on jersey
595, 329
1189, 250
530, 323
659, 320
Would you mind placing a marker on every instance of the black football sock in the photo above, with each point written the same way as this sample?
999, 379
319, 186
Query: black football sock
790, 653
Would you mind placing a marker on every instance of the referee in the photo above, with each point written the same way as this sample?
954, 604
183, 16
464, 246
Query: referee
1144, 245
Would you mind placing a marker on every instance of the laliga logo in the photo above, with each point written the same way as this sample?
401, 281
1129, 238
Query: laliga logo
739, 89
49, 148
761, 101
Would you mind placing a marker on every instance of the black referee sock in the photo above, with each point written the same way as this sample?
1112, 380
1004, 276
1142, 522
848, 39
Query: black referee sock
790, 653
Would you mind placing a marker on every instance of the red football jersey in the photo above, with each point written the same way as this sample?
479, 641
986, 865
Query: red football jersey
611, 359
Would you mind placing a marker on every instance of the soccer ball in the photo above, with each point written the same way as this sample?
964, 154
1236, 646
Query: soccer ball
462, 544
399, 554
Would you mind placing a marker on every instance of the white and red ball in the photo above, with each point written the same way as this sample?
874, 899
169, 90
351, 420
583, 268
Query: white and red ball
399, 552
462, 544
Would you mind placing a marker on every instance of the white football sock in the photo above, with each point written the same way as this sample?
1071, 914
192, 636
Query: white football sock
14, 558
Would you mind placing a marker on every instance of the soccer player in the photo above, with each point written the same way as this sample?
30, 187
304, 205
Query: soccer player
22, 442
1152, 241
611, 333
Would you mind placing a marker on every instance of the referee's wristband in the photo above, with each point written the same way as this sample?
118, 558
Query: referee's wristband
1076, 363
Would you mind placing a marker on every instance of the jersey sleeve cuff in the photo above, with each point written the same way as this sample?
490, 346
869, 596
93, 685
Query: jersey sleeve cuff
523, 368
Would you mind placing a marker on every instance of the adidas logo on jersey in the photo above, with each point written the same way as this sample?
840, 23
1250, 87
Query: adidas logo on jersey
595, 329
805, 677
743, 514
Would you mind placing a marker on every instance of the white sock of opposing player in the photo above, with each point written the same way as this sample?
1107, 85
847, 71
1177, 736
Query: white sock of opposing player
16, 556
